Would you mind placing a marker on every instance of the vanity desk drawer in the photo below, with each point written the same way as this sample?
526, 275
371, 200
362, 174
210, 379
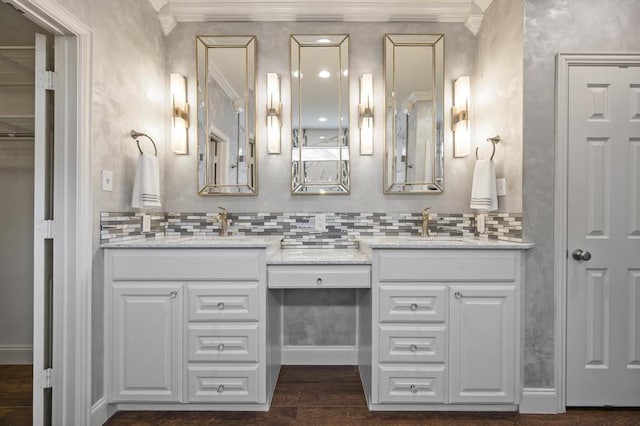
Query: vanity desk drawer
412, 384
319, 276
225, 383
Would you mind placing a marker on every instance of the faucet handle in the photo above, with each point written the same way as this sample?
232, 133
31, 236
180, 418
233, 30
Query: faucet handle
223, 210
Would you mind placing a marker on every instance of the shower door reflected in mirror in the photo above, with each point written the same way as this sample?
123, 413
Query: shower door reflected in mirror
227, 157
414, 112
320, 114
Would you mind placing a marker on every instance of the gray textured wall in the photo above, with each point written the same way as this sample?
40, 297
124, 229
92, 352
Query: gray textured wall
553, 26
497, 95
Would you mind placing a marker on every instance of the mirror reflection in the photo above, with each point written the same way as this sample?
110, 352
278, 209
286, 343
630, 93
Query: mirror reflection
414, 111
320, 114
227, 157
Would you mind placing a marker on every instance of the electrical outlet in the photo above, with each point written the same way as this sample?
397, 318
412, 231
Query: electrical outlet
501, 186
480, 223
107, 180
146, 222
321, 222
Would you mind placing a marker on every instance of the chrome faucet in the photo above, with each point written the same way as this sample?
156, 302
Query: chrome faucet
425, 222
222, 218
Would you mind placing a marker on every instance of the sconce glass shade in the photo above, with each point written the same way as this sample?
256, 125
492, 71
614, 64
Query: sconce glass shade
460, 117
179, 114
274, 108
365, 119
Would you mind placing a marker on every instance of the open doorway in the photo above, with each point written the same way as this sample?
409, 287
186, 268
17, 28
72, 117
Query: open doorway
17, 171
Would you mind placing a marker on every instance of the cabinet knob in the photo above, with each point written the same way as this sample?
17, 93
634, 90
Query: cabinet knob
457, 295
414, 389
319, 281
221, 347
220, 388
414, 306
414, 348
221, 305
173, 294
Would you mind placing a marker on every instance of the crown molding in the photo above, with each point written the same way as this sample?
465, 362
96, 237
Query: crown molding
467, 12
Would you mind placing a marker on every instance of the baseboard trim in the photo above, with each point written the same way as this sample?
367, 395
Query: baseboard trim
319, 355
101, 411
539, 401
16, 354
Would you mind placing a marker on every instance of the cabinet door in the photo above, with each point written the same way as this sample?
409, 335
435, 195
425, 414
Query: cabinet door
482, 363
146, 336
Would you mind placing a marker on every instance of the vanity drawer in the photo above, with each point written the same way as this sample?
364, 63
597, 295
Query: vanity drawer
412, 303
319, 276
230, 383
214, 343
412, 344
192, 264
216, 302
447, 265
412, 385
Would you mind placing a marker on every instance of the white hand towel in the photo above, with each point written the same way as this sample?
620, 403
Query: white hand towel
483, 189
146, 186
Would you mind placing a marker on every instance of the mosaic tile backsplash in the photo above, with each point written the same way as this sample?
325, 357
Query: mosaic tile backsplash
341, 230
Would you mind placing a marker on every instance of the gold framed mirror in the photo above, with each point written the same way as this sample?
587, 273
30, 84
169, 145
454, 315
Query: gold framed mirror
320, 114
414, 113
227, 156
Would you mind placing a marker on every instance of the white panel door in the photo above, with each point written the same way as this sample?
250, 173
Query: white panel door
482, 344
146, 343
603, 271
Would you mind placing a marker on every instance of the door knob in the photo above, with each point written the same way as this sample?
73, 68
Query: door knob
579, 254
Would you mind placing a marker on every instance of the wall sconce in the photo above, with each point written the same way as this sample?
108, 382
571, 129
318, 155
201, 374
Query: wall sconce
179, 114
274, 109
365, 110
460, 117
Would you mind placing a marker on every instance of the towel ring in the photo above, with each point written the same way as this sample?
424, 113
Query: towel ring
494, 140
135, 135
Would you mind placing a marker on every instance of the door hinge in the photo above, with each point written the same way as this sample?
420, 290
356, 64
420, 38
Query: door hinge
46, 382
46, 229
47, 80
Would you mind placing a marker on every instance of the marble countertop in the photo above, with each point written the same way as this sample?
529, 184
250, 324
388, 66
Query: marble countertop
318, 256
439, 243
279, 256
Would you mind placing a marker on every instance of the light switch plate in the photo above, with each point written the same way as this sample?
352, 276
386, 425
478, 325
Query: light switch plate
501, 186
107, 180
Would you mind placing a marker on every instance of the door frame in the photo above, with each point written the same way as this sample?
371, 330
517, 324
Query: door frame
564, 61
73, 226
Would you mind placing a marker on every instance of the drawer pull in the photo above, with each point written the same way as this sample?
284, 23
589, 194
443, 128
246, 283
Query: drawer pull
457, 295
413, 388
319, 281
221, 347
414, 306
221, 306
173, 294
414, 348
220, 388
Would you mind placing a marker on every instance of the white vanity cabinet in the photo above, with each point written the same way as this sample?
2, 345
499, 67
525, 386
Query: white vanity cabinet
189, 326
445, 329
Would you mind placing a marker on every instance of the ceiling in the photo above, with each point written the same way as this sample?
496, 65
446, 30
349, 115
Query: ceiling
468, 12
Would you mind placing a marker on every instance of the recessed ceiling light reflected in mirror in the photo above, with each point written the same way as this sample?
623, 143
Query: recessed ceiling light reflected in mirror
322, 119
324, 74
323, 40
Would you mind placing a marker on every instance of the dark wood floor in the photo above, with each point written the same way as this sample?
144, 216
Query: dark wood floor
307, 396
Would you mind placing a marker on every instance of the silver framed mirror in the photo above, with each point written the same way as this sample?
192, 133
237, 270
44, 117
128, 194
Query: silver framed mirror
320, 114
227, 156
414, 113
